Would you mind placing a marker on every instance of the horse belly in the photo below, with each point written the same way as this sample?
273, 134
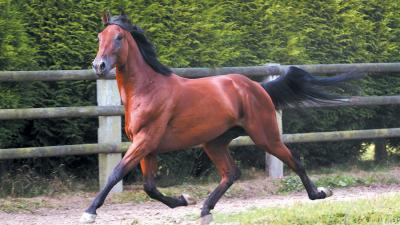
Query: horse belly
184, 133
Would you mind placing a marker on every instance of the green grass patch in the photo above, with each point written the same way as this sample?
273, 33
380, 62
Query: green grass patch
380, 210
365, 165
342, 179
293, 183
26, 182
22, 204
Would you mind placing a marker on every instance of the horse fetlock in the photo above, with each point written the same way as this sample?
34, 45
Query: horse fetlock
317, 195
328, 192
87, 218
189, 199
320, 193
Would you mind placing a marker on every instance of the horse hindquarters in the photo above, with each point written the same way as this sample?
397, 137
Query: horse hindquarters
261, 125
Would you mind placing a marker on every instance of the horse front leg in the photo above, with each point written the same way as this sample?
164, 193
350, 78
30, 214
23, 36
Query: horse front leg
149, 169
140, 147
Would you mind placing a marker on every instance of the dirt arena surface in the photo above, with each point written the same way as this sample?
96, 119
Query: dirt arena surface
69, 208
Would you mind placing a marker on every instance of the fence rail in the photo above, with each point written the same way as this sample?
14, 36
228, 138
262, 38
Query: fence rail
61, 112
86, 149
110, 110
95, 111
261, 71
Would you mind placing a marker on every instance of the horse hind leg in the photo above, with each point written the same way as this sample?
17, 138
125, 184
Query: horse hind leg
217, 151
263, 130
149, 168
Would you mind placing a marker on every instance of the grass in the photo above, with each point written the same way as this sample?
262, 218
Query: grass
26, 182
11, 205
362, 174
382, 210
293, 183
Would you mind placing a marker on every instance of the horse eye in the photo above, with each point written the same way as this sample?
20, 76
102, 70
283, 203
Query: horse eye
119, 37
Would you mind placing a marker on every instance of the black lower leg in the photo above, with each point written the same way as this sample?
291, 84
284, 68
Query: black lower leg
210, 202
151, 190
117, 175
213, 198
310, 187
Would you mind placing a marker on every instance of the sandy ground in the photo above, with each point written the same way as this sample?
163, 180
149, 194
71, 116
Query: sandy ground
157, 213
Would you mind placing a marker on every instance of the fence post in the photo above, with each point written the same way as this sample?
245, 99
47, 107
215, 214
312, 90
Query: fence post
109, 130
274, 166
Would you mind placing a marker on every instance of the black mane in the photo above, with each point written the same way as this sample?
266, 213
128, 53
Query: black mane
146, 48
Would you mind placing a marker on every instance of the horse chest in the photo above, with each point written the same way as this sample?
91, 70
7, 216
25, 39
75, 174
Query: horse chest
139, 115
142, 116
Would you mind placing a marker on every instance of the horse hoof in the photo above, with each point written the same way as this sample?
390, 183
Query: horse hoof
328, 192
87, 218
206, 220
189, 199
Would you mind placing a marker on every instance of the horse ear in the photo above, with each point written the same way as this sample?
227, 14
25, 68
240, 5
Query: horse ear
105, 18
121, 10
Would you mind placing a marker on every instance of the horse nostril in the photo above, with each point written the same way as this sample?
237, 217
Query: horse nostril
102, 66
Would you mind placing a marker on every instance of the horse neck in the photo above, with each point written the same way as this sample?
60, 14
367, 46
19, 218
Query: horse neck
136, 76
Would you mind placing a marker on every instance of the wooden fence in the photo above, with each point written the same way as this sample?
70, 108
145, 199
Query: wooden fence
109, 111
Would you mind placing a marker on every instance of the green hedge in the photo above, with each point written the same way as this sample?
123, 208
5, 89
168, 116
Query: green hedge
62, 35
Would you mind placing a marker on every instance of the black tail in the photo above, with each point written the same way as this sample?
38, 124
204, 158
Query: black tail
298, 87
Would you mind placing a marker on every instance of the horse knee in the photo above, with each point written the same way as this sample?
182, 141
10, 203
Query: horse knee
117, 173
233, 176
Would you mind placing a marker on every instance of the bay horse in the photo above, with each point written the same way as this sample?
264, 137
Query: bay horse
165, 112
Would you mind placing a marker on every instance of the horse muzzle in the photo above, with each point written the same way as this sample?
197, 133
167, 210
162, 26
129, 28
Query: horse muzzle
101, 67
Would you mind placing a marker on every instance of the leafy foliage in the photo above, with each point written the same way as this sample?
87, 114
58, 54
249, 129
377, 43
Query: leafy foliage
16, 53
62, 35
